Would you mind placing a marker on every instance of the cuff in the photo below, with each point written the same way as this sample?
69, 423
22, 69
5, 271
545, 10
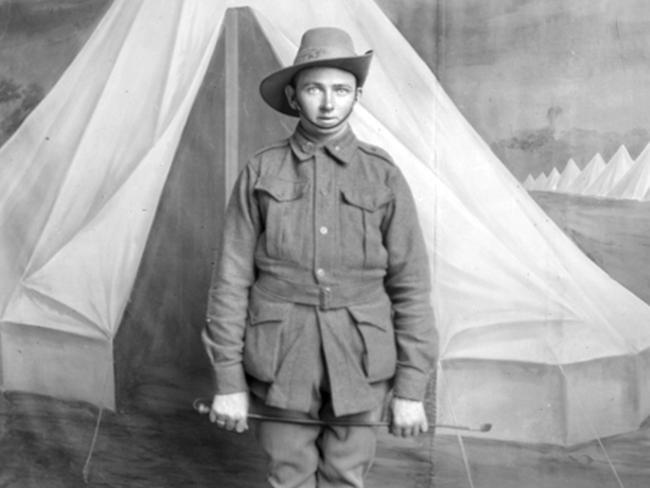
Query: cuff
230, 379
410, 384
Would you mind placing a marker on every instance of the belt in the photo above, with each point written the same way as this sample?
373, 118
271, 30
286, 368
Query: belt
323, 296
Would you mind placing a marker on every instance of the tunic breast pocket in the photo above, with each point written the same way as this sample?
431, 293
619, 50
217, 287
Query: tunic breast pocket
285, 211
361, 215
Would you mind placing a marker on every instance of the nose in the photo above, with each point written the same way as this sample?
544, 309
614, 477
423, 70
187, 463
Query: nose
328, 100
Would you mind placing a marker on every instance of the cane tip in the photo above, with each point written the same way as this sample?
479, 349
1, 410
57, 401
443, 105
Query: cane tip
485, 427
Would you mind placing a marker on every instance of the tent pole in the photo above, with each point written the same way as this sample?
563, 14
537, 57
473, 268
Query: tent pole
231, 108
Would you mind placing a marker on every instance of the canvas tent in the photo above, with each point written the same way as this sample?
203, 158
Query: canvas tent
111, 196
589, 174
635, 184
539, 183
569, 174
553, 180
529, 182
616, 168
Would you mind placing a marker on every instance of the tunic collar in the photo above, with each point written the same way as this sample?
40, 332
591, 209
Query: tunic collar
342, 148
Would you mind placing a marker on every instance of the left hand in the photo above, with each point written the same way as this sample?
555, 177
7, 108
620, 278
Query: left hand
407, 417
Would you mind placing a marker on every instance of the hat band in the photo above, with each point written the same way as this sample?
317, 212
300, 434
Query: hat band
315, 53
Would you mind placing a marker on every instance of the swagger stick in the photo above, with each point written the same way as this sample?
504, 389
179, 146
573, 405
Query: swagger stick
202, 406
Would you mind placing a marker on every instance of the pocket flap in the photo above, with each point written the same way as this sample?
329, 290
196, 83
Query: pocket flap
369, 197
281, 190
376, 314
264, 311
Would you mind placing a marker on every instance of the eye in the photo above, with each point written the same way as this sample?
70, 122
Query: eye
312, 90
343, 91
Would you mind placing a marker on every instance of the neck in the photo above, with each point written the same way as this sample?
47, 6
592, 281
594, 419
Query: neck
320, 136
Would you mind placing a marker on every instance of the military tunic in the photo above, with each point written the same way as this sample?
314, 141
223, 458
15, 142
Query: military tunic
322, 270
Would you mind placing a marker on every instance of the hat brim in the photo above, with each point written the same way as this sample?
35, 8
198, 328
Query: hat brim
272, 87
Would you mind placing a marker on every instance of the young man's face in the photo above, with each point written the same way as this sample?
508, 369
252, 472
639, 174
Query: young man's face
324, 98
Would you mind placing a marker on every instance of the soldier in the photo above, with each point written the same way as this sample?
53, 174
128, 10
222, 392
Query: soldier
319, 303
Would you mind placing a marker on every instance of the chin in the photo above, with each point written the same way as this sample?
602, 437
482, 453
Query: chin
329, 122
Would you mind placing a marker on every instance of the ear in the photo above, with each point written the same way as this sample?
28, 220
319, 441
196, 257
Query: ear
358, 93
290, 93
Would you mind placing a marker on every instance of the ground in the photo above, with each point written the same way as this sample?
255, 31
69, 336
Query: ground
47, 443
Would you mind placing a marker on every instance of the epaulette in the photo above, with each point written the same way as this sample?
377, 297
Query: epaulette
274, 145
375, 151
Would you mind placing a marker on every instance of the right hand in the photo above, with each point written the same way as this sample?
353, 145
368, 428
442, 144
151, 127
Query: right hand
230, 411
408, 417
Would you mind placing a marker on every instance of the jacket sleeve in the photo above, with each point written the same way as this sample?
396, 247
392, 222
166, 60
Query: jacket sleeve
232, 277
408, 283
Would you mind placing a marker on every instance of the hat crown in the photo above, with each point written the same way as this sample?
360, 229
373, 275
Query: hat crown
324, 43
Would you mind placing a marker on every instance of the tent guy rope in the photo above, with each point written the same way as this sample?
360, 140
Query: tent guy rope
598, 438
461, 445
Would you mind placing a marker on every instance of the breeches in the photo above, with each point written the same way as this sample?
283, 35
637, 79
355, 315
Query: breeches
305, 456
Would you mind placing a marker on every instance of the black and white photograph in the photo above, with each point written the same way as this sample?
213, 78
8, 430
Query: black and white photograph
325, 243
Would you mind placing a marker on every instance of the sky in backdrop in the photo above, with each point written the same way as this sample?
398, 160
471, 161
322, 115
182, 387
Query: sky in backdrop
541, 80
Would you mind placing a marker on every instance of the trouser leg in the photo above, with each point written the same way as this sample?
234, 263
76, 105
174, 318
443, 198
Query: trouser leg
302, 456
290, 449
348, 452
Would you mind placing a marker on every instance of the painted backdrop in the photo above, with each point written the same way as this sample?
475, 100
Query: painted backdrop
541, 81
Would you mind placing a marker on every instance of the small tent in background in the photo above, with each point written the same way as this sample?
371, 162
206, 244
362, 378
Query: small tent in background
553, 180
635, 184
112, 191
569, 174
540, 182
588, 175
618, 165
529, 182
